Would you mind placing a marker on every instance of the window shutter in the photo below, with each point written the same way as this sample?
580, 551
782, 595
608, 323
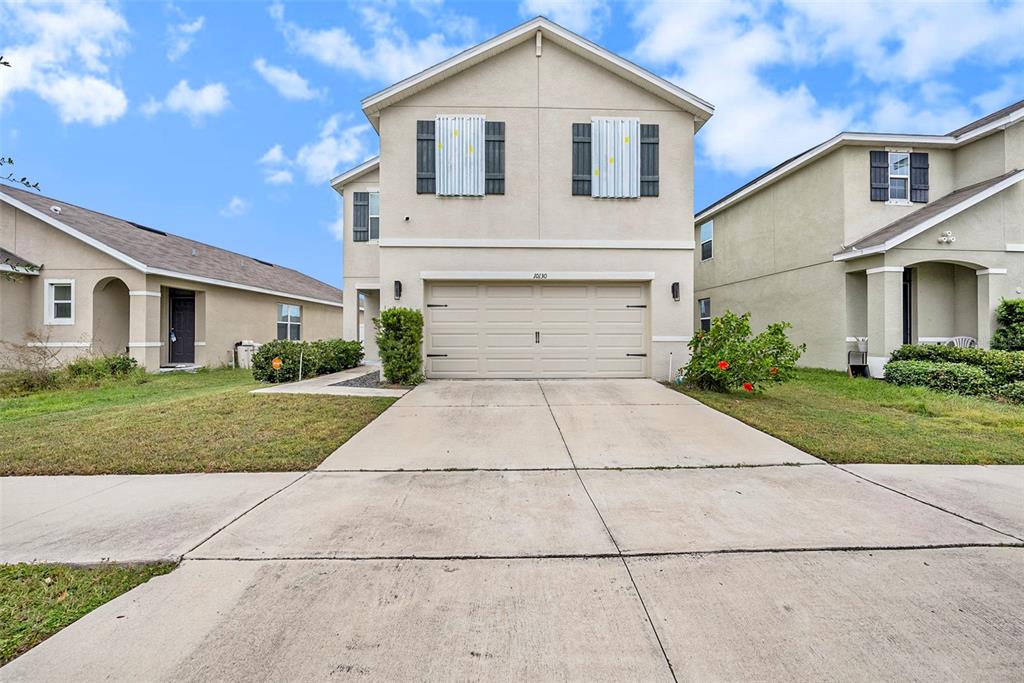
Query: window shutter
919, 177
879, 176
615, 157
425, 176
494, 173
459, 163
581, 159
360, 216
649, 160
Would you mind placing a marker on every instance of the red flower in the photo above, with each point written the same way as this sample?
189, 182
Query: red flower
774, 371
723, 365
747, 386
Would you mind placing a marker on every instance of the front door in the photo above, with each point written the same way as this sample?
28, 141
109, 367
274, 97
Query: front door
183, 327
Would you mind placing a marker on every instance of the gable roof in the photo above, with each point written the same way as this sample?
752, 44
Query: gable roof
156, 252
355, 172
701, 109
986, 125
928, 216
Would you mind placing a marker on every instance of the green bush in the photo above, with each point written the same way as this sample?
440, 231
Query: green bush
727, 357
1003, 367
1012, 393
316, 358
100, 367
1010, 335
957, 378
400, 340
20, 382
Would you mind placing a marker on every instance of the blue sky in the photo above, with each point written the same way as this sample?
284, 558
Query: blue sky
224, 121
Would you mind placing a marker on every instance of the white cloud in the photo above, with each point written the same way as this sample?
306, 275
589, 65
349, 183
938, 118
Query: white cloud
236, 206
582, 16
274, 155
276, 163
337, 226
64, 55
289, 84
279, 177
335, 148
195, 103
181, 35
391, 55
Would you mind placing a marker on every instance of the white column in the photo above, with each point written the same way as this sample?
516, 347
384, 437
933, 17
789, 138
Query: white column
885, 315
989, 291
371, 307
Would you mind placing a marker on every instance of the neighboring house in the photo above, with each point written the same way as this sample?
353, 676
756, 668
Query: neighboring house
897, 238
91, 283
533, 197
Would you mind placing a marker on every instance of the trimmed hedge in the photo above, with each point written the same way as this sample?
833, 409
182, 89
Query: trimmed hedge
1003, 367
1010, 316
317, 358
1013, 393
957, 378
400, 340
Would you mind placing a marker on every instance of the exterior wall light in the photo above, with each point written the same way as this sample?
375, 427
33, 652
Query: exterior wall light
675, 291
398, 290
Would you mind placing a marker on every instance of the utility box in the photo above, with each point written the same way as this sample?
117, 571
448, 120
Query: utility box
243, 353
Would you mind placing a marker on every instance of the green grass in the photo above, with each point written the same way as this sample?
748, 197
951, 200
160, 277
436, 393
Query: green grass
37, 600
176, 422
843, 420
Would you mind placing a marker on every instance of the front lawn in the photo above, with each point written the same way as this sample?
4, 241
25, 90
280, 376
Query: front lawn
176, 422
843, 420
37, 600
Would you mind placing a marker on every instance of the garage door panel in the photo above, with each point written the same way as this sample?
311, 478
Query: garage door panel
456, 291
524, 292
522, 315
469, 340
513, 340
564, 292
467, 316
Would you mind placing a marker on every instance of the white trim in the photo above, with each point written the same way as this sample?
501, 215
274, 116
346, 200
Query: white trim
1014, 247
933, 340
145, 345
885, 269
143, 292
199, 343
60, 345
701, 109
899, 202
992, 271
48, 302
670, 338
235, 285
354, 172
537, 244
366, 285
852, 340
933, 221
532, 275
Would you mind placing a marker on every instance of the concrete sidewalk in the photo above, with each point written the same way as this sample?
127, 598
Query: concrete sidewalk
324, 385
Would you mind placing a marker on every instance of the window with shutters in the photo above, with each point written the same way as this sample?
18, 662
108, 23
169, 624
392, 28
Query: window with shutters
615, 157
899, 176
361, 216
374, 215
707, 240
704, 313
459, 155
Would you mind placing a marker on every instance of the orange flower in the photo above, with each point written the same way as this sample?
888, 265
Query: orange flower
723, 365
747, 386
774, 371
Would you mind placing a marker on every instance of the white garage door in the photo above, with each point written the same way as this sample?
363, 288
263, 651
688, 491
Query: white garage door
511, 329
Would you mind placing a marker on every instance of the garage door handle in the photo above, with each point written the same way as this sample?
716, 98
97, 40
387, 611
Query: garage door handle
536, 337
437, 305
636, 305
636, 355
437, 355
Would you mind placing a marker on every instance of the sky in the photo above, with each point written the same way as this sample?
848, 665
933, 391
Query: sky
225, 121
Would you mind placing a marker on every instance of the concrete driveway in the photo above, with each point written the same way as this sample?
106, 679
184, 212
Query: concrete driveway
579, 530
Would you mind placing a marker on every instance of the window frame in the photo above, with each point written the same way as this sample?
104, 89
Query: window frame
710, 241
700, 314
288, 322
372, 192
905, 201
49, 301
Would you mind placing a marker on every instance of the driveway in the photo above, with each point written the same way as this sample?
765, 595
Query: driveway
579, 530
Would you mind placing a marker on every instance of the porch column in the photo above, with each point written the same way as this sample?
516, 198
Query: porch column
144, 327
885, 315
371, 304
350, 314
989, 291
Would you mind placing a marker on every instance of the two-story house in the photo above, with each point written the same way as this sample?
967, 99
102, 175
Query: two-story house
896, 238
534, 197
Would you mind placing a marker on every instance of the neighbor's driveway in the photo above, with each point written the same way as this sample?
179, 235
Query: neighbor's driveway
587, 530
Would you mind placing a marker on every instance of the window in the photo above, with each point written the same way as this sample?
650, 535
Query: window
704, 308
899, 176
459, 157
707, 239
60, 302
615, 157
289, 322
374, 215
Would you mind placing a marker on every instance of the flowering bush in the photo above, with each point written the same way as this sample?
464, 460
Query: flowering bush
728, 357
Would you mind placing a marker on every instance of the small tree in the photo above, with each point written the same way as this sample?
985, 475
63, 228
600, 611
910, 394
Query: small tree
727, 357
1010, 335
400, 341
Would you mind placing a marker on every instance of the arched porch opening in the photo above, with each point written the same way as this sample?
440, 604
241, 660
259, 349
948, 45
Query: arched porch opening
111, 306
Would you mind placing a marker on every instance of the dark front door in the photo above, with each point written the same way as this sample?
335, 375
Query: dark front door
183, 326
908, 306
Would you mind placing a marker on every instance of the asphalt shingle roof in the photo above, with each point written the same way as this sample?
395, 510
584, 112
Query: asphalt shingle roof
987, 119
158, 249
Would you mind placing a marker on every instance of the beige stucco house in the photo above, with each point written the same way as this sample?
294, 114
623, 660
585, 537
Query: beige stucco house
89, 283
897, 238
533, 197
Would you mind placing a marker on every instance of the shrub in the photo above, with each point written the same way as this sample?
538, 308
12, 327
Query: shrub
1003, 367
957, 378
400, 340
726, 357
1013, 392
19, 382
100, 367
316, 358
1010, 335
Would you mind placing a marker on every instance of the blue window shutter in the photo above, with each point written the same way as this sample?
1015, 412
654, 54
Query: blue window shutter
919, 177
649, 183
360, 216
425, 177
879, 176
494, 178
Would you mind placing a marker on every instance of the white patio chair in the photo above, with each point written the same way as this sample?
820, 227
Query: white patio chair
963, 342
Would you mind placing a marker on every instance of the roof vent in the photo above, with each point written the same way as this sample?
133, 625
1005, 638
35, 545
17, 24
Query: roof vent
148, 229
55, 209
193, 252
266, 263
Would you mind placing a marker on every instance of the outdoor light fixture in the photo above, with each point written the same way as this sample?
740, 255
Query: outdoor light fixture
675, 291
398, 290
